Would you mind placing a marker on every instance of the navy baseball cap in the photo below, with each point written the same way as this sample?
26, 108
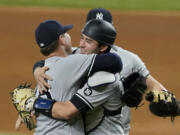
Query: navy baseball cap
49, 31
99, 13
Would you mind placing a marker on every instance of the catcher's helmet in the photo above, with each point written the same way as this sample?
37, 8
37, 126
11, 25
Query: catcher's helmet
101, 31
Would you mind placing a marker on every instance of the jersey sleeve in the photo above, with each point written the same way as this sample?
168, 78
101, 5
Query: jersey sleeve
140, 66
89, 98
109, 62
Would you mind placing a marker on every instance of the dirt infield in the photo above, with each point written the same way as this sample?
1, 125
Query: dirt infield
153, 36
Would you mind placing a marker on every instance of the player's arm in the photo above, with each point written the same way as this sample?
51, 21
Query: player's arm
109, 62
51, 108
145, 83
155, 90
64, 110
79, 103
85, 99
60, 110
153, 84
162, 102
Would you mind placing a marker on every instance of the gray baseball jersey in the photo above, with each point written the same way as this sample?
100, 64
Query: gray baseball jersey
131, 63
67, 74
107, 97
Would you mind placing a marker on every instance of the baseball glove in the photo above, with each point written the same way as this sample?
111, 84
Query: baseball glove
163, 104
19, 97
134, 88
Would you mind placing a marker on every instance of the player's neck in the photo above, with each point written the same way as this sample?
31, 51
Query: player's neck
60, 52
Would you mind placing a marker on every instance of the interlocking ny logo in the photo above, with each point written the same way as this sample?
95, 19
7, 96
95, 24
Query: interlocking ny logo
99, 16
87, 92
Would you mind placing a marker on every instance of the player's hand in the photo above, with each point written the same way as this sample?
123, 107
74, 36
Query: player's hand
67, 45
19, 122
41, 78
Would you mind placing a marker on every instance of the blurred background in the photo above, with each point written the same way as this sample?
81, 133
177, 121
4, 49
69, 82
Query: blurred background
149, 28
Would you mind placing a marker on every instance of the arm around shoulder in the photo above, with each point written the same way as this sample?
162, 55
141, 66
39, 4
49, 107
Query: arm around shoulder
109, 62
55, 109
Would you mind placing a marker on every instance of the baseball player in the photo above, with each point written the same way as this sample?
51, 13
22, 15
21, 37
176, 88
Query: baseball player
51, 37
131, 63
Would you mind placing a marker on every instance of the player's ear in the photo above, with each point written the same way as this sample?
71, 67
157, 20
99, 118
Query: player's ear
61, 39
103, 48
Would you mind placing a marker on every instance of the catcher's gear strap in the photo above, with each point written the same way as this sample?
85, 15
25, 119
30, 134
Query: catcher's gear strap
75, 50
112, 113
101, 78
106, 113
96, 126
47, 93
44, 106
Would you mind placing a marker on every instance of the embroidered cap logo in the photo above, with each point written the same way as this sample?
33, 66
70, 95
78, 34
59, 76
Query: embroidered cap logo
99, 16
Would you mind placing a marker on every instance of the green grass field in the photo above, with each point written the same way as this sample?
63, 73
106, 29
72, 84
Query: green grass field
166, 5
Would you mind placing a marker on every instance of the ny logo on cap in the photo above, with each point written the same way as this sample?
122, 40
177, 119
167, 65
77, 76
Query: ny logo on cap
99, 16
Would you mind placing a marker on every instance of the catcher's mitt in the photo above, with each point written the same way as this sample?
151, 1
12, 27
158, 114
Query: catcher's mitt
163, 103
134, 88
19, 97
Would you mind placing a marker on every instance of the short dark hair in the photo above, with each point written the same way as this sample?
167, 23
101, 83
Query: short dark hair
107, 50
50, 48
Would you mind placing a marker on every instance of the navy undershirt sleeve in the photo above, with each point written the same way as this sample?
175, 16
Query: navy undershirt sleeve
79, 104
38, 64
109, 62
